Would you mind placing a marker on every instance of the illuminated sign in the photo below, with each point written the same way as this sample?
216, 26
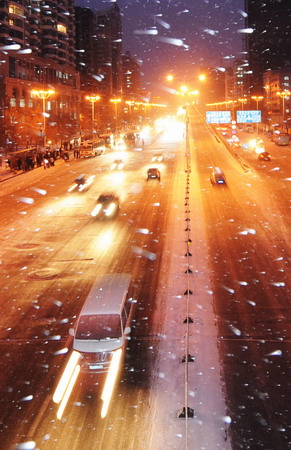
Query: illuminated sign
249, 116
218, 116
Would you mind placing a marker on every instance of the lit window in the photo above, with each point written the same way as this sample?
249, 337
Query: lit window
14, 9
13, 102
61, 28
22, 103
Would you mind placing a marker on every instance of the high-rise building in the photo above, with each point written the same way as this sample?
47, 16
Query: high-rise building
109, 49
130, 77
99, 49
46, 28
269, 44
44, 33
236, 80
85, 39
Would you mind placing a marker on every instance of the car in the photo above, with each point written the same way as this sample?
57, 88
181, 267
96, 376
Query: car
217, 177
158, 157
264, 156
107, 206
81, 183
153, 173
117, 164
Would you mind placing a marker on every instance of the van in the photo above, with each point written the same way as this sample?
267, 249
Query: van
103, 324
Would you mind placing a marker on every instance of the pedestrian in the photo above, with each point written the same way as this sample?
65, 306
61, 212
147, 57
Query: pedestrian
46, 163
38, 159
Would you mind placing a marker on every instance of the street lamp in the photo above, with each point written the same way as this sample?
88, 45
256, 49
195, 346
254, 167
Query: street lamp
242, 101
283, 94
43, 95
93, 99
257, 99
115, 101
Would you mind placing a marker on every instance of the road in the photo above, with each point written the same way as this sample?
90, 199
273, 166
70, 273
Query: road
51, 251
248, 225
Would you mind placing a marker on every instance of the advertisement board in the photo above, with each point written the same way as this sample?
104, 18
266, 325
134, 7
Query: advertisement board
218, 116
249, 116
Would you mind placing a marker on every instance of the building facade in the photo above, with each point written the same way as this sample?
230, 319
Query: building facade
99, 50
277, 82
268, 46
38, 42
130, 77
21, 112
46, 28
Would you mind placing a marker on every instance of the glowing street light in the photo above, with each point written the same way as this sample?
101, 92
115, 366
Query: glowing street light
283, 94
242, 101
93, 99
257, 99
43, 95
115, 101
184, 89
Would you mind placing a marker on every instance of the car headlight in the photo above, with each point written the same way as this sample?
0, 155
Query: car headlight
82, 187
96, 210
71, 188
110, 210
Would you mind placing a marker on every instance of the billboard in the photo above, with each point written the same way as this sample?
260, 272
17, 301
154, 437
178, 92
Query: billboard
218, 116
249, 116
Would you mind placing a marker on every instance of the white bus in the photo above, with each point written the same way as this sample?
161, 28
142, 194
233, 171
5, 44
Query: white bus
91, 148
104, 322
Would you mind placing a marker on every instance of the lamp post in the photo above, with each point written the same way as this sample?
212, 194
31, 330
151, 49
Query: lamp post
93, 99
115, 101
283, 95
130, 103
242, 101
257, 99
43, 95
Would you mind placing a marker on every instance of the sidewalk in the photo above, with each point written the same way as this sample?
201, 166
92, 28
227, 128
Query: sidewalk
7, 174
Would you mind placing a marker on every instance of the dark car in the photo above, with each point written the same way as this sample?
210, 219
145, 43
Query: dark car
117, 164
81, 183
217, 177
153, 173
107, 206
264, 156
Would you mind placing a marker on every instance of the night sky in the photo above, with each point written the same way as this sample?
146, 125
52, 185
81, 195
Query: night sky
182, 36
